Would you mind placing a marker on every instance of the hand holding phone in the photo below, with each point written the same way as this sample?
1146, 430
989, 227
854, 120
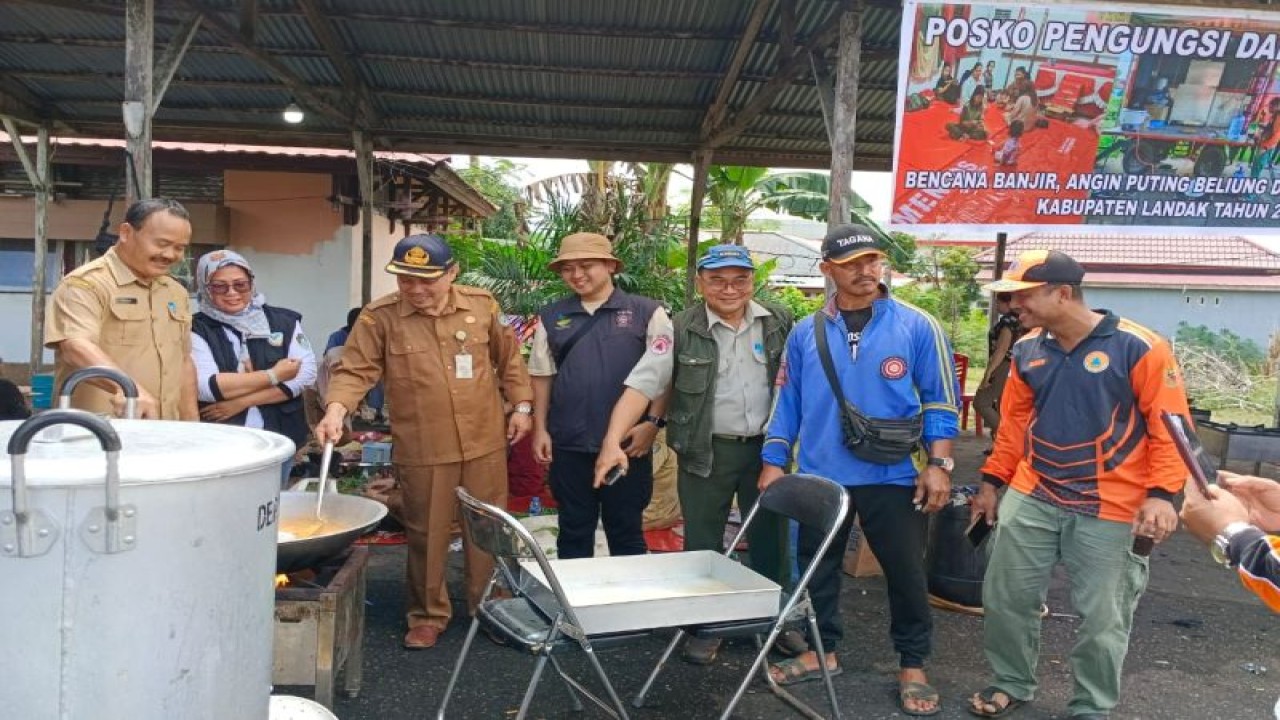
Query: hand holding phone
978, 530
613, 475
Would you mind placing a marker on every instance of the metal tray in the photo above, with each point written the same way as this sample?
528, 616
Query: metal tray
641, 592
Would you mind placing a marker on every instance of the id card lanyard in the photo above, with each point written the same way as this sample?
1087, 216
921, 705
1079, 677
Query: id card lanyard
462, 362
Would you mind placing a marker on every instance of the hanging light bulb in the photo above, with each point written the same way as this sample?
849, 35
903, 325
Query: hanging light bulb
293, 114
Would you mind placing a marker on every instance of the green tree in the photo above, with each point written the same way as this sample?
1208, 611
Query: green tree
498, 181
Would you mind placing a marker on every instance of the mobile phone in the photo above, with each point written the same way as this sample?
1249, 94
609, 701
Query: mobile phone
1192, 452
978, 531
613, 475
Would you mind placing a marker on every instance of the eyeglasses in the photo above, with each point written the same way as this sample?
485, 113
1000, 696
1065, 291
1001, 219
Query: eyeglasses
722, 284
221, 288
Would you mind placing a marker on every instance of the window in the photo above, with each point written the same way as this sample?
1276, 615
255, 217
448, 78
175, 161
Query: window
17, 269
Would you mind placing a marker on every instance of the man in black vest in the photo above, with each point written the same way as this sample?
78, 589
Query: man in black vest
584, 347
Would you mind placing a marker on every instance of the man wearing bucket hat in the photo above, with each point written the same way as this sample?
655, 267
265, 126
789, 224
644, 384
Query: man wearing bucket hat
1090, 472
717, 381
583, 349
448, 363
867, 386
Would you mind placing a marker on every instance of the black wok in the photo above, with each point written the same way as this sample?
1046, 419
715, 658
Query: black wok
346, 517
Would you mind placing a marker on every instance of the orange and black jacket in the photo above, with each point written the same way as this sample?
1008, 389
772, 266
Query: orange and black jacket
1256, 556
1081, 430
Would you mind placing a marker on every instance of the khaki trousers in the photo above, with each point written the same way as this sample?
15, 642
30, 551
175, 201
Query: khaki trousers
429, 512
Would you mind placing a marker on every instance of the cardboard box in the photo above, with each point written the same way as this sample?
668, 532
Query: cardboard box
860, 561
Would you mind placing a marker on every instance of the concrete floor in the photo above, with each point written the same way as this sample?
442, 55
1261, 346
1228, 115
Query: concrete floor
1198, 645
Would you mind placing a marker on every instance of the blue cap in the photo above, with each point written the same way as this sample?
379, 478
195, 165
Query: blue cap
725, 256
424, 256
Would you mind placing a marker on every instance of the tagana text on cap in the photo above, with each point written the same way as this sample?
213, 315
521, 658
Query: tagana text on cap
847, 242
725, 256
584, 246
1034, 268
424, 256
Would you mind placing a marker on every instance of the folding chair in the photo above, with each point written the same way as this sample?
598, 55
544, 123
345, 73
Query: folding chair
517, 620
811, 501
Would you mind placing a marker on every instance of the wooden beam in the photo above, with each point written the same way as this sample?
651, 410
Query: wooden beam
40, 246
357, 96
826, 89
786, 28
845, 116
364, 168
138, 98
20, 150
701, 168
300, 88
783, 78
736, 61
248, 21
171, 58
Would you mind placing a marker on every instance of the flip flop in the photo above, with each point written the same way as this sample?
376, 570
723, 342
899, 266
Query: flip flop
794, 671
920, 692
988, 697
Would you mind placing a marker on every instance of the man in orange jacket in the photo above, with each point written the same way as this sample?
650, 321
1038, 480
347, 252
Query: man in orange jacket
1091, 474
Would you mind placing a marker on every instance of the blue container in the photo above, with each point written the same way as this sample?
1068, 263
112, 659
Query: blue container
42, 391
375, 453
535, 505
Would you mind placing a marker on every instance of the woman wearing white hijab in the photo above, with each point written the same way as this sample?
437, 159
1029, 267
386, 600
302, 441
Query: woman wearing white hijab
252, 359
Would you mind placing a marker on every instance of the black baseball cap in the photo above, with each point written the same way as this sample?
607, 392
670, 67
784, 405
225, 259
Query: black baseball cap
847, 242
1034, 268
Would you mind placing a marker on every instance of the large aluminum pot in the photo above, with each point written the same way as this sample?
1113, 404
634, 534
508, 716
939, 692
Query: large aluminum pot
143, 590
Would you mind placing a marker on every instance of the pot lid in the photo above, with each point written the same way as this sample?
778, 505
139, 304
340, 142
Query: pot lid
152, 451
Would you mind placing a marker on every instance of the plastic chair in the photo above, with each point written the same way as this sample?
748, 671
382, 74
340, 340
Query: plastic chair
809, 500
966, 398
517, 620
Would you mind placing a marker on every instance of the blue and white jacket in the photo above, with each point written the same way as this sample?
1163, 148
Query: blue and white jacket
903, 366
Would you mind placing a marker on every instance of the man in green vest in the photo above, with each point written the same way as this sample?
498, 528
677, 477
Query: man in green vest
716, 376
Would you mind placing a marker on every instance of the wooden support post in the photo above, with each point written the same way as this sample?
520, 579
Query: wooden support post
40, 177
44, 188
364, 167
1002, 243
844, 115
139, 95
701, 166
826, 91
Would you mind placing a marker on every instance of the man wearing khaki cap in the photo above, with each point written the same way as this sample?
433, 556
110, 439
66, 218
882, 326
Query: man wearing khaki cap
448, 363
583, 349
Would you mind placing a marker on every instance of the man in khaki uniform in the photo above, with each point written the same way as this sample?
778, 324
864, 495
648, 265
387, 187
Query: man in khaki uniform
124, 311
447, 363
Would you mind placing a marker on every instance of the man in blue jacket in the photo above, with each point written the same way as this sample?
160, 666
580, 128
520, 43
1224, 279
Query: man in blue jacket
893, 362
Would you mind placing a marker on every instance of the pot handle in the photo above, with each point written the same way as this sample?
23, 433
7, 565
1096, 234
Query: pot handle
125, 382
27, 533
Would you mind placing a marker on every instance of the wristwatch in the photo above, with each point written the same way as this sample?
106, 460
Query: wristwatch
657, 421
945, 463
1223, 541
524, 408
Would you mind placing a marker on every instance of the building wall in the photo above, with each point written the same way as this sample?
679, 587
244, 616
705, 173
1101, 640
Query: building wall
1252, 315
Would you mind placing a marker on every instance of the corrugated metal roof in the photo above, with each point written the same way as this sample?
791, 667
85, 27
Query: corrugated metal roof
623, 78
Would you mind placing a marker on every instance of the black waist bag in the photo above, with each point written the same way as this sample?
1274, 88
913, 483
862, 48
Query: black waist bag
884, 441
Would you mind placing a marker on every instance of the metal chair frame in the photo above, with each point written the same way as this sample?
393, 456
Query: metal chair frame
811, 501
539, 633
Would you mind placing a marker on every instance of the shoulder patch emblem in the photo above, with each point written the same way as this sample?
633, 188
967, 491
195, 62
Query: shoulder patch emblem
1171, 378
893, 368
661, 345
367, 319
563, 321
1097, 361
